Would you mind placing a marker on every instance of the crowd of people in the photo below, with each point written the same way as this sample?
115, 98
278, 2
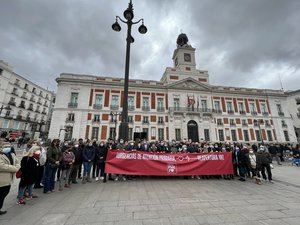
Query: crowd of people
69, 162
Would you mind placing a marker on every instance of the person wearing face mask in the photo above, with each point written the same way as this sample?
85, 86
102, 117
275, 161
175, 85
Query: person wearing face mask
95, 161
29, 173
80, 147
42, 161
102, 154
68, 158
77, 151
88, 157
9, 165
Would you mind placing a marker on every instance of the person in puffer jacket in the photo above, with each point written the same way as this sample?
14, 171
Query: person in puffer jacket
66, 165
88, 158
263, 160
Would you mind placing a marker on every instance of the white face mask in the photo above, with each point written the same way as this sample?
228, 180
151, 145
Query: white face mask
76, 146
90, 144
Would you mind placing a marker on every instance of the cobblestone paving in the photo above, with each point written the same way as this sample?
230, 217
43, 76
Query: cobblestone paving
164, 201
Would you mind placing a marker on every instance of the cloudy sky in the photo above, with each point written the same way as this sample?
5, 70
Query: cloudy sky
246, 43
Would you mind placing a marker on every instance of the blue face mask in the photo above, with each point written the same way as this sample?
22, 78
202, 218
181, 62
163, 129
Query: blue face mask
6, 150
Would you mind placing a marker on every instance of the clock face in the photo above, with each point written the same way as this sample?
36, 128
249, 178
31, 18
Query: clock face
187, 57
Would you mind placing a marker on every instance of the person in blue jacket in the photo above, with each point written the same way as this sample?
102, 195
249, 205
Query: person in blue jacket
88, 156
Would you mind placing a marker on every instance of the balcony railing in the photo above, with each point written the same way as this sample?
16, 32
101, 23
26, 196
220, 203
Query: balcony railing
114, 107
242, 112
30, 108
15, 93
96, 120
22, 106
265, 113
73, 105
220, 123
254, 113
131, 108
230, 111
39, 103
160, 122
145, 108
267, 125
17, 84
245, 124
97, 106
69, 120
280, 113
44, 113
38, 111
193, 110
12, 103
284, 125
32, 100
145, 122
232, 124
160, 109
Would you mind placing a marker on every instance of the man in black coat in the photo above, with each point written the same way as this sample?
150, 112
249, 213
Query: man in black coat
77, 151
274, 151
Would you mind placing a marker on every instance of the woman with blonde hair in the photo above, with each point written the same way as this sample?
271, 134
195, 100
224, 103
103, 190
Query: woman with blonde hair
9, 165
29, 173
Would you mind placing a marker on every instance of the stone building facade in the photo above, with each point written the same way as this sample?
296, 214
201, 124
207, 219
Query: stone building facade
24, 106
182, 105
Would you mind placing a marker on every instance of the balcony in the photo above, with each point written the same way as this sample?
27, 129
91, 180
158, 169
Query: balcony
19, 117
191, 110
265, 113
217, 111
114, 107
32, 100
22, 106
145, 122
39, 103
245, 124
242, 112
24, 97
160, 122
70, 120
97, 106
220, 123
160, 109
131, 108
30, 108
14, 93
72, 105
254, 113
145, 108
230, 111
280, 113
8, 116
12, 103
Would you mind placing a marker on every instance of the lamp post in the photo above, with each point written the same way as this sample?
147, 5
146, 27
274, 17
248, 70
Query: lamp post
114, 118
128, 15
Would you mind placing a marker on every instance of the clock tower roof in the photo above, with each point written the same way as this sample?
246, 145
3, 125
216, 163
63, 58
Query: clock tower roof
182, 39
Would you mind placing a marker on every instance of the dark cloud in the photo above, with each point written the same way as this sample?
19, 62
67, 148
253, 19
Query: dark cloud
241, 43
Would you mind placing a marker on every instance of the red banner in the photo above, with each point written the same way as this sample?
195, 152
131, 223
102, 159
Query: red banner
168, 164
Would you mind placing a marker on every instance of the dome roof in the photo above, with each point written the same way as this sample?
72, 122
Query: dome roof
182, 39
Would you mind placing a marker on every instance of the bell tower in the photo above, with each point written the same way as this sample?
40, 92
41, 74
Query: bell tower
184, 54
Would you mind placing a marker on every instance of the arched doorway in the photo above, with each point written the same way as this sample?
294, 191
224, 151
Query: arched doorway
192, 128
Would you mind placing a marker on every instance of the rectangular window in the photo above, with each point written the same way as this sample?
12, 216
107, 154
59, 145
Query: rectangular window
233, 135
257, 134
229, 106
130, 119
131, 101
145, 130
217, 105
160, 119
96, 118
203, 104
160, 134
74, 98
115, 100
145, 119
263, 108
241, 107
95, 133
219, 122
160, 103
177, 134
269, 134
130, 132
286, 135
232, 122
176, 103
71, 117
206, 135
16, 125
246, 135
145, 102
279, 108
244, 122
252, 107
221, 135
112, 133
98, 99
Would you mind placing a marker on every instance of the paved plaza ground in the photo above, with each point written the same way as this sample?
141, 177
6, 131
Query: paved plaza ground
165, 201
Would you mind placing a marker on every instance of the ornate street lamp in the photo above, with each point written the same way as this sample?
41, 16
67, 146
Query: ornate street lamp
128, 15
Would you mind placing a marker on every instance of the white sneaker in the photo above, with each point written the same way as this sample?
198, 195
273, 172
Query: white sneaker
117, 178
124, 178
96, 179
101, 178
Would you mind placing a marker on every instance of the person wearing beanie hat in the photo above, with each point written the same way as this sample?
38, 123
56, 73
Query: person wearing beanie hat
9, 165
29, 173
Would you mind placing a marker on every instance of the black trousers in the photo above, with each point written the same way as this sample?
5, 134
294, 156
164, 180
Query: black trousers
79, 170
95, 172
3, 193
265, 167
74, 172
40, 176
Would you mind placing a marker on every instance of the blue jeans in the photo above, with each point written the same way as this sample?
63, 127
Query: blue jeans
87, 168
22, 190
49, 177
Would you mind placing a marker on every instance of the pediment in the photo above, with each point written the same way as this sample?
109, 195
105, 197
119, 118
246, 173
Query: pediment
189, 84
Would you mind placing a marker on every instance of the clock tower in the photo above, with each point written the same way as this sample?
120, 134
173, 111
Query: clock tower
184, 54
184, 64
